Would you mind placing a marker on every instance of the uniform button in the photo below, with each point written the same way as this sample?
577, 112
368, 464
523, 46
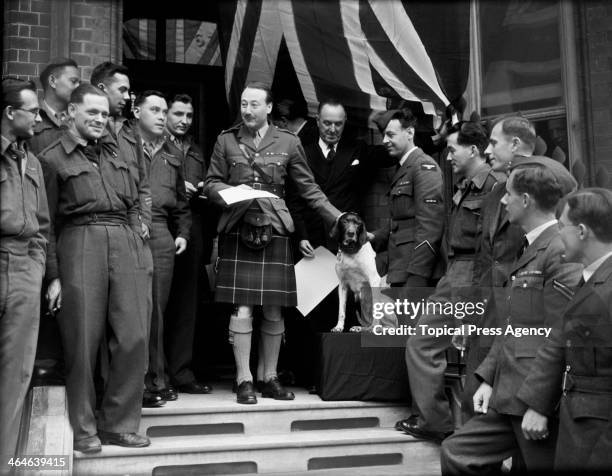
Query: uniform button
257, 154
587, 333
513, 278
524, 285
496, 262
568, 343
256, 179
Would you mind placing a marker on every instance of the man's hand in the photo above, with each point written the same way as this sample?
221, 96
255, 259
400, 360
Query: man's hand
481, 398
534, 425
459, 340
180, 245
306, 249
54, 296
190, 189
144, 231
370, 235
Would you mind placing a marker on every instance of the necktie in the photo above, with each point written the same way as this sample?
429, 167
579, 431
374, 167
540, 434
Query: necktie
523, 247
92, 151
332, 153
256, 139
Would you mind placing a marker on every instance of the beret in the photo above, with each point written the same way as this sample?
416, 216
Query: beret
564, 177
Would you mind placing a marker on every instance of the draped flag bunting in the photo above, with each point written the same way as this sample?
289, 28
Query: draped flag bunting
362, 52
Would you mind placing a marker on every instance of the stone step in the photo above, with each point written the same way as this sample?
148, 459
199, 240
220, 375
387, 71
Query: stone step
295, 452
218, 413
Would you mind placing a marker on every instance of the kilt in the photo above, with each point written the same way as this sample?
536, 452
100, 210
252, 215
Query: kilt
255, 277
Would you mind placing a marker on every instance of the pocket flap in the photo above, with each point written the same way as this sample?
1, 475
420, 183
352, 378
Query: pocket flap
3, 175
118, 164
74, 170
404, 189
171, 159
532, 282
257, 219
589, 405
473, 205
527, 346
32, 174
403, 236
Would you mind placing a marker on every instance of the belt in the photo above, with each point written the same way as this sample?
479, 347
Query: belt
462, 254
587, 384
105, 219
277, 190
16, 245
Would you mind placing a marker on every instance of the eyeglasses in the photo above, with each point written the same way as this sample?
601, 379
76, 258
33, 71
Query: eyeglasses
35, 112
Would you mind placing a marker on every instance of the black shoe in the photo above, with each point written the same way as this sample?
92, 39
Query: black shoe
169, 393
246, 393
47, 372
409, 420
130, 440
152, 400
194, 387
88, 445
412, 428
274, 389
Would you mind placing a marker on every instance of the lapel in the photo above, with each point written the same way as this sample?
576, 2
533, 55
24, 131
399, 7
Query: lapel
315, 159
499, 216
339, 164
245, 137
602, 275
540, 243
405, 166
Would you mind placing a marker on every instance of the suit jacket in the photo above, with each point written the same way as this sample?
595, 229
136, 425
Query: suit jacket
535, 297
414, 232
338, 179
309, 133
279, 155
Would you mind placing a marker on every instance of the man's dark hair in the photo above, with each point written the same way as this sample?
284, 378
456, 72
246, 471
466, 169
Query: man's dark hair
142, 97
291, 109
184, 98
329, 102
518, 126
405, 118
540, 183
104, 72
471, 133
593, 208
11, 91
54, 67
79, 93
263, 87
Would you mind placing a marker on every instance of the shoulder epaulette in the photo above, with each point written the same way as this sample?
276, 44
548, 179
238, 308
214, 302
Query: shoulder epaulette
281, 129
50, 146
231, 129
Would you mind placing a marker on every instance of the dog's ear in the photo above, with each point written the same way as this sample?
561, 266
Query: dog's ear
363, 234
334, 232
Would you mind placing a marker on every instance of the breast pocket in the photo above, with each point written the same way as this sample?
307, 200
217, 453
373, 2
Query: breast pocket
471, 224
33, 183
528, 300
275, 165
80, 183
402, 200
121, 178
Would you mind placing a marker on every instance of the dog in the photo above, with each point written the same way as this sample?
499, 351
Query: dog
356, 270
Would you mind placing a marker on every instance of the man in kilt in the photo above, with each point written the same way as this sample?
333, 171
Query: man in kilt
255, 261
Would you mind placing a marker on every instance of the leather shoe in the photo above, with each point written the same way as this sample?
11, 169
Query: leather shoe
194, 387
246, 393
152, 400
273, 389
130, 440
169, 393
412, 428
88, 445
411, 419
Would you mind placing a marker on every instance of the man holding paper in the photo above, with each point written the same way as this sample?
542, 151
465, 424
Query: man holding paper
255, 260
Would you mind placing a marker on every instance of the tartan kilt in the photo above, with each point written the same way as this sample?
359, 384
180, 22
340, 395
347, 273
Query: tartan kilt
255, 277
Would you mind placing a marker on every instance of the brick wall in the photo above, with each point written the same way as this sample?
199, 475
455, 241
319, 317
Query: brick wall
26, 42
598, 36
93, 35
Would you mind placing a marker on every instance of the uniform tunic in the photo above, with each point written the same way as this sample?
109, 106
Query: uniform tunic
93, 250
24, 225
265, 276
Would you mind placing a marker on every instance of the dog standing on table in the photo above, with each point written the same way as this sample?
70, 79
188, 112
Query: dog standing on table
356, 270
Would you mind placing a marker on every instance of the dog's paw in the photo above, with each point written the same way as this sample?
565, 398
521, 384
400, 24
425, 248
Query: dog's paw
355, 329
338, 329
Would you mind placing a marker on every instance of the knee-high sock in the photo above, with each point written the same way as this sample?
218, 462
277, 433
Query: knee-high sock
241, 329
260, 361
272, 329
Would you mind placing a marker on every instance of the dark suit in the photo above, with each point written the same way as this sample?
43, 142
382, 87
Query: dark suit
535, 297
583, 347
309, 133
414, 232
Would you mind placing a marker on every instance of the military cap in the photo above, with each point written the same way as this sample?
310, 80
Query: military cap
564, 177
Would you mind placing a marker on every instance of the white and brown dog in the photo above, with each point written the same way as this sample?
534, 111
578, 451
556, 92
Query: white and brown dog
356, 270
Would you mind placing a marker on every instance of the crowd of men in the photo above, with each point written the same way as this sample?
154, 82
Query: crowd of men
106, 218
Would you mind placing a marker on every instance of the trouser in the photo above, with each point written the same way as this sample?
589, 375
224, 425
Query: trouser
425, 354
21, 272
484, 442
163, 252
103, 272
189, 282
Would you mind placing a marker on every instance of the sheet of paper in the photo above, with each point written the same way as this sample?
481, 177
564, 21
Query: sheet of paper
315, 278
238, 194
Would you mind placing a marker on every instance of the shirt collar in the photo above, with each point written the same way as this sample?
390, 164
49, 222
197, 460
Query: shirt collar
71, 141
405, 156
325, 147
57, 118
589, 271
480, 176
5, 144
533, 234
300, 128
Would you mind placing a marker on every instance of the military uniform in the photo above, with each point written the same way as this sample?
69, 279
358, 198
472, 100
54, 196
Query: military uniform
425, 354
48, 130
575, 366
256, 277
93, 250
24, 226
169, 211
189, 281
414, 232
536, 295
